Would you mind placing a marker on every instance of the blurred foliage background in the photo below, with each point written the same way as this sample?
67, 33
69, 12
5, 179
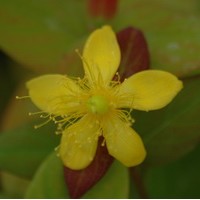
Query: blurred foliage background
39, 37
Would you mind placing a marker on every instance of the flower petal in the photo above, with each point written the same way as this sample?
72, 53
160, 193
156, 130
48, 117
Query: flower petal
79, 143
53, 93
123, 142
101, 55
149, 90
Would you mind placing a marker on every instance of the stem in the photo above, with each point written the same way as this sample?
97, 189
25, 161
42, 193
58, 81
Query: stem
136, 176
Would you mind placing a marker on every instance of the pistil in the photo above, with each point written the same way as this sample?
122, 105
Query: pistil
98, 104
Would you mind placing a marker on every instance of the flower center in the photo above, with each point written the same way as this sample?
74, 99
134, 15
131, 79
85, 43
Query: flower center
98, 104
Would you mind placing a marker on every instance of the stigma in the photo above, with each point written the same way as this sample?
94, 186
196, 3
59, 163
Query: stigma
98, 104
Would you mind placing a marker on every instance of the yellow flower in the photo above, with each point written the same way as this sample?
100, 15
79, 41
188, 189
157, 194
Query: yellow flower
98, 106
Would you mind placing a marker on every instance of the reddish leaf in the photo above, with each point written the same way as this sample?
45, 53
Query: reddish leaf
105, 8
80, 181
134, 52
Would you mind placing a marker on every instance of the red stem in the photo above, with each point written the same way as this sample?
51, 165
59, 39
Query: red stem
136, 176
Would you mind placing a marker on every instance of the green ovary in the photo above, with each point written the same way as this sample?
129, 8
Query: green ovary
98, 104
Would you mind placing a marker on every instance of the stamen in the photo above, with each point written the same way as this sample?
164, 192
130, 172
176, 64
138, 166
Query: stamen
45, 116
57, 148
22, 97
83, 83
58, 132
66, 83
36, 113
95, 80
125, 115
40, 125
103, 142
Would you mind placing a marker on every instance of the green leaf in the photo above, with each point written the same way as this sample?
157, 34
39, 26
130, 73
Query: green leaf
7, 81
172, 30
40, 34
5, 196
13, 186
173, 131
178, 180
48, 182
114, 185
23, 149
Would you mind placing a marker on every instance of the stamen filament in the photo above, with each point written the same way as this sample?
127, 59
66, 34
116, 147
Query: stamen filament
22, 97
40, 125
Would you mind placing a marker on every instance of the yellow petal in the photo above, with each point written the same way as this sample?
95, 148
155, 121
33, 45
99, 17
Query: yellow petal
123, 142
149, 90
53, 93
79, 143
101, 55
